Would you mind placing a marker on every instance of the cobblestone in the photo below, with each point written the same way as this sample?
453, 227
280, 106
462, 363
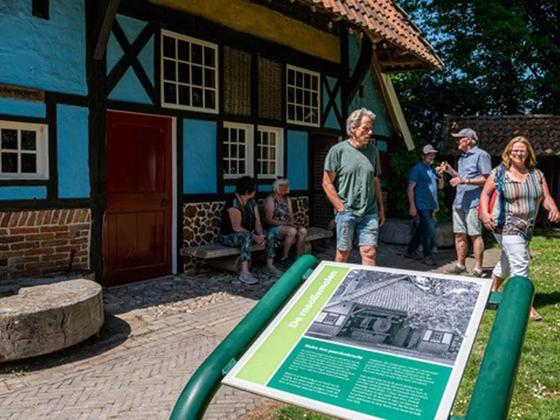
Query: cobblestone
156, 334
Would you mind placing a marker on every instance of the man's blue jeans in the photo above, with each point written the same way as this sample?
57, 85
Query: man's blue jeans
425, 233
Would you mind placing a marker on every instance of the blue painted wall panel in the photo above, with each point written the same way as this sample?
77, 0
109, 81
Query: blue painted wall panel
229, 188
381, 145
114, 52
129, 89
199, 157
297, 159
18, 107
146, 58
72, 152
131, 26
332, 121
40, 53
372, 99
23, 193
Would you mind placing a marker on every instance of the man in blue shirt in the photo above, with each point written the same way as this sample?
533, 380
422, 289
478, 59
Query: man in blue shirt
474, 167
423, 183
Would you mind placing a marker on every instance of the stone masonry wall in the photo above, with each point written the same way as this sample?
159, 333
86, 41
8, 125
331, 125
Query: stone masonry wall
201, 224
38, 242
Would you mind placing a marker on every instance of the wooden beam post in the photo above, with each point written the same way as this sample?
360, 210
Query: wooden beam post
105, 29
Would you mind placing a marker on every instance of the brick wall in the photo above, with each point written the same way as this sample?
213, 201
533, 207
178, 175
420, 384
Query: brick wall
44, 241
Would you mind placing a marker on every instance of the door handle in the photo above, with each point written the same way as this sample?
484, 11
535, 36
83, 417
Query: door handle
163, 203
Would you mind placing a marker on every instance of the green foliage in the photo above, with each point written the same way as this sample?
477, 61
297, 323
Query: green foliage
500, 58
401, 162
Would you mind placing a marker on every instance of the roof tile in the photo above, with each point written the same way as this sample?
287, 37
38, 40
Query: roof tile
383, 18
495, 131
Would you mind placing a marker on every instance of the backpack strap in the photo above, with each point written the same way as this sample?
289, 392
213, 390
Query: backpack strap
499, 190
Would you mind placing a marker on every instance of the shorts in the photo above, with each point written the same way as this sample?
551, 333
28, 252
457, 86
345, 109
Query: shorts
366, 227
467, 221
274, 231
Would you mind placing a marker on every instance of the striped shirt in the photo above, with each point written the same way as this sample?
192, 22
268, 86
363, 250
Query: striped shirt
521, 202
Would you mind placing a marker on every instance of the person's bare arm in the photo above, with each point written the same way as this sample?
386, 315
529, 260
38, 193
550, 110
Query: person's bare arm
235, 219
269, 212
330, 190
258, 235
479, 180
379, 198
487, 191
411, 204
258, 224
449, 169
550, 204
440, 182
291, 218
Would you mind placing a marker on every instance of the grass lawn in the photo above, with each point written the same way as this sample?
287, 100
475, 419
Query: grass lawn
537, 390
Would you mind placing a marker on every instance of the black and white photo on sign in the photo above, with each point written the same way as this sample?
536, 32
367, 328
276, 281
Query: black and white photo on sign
419, 316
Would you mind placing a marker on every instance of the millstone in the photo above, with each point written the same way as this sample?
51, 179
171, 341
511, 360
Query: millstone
47, 316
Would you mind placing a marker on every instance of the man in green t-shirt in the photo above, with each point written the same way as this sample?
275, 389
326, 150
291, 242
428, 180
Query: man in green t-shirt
351, 183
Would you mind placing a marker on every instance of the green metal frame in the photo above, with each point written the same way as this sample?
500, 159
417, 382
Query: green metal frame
492, 393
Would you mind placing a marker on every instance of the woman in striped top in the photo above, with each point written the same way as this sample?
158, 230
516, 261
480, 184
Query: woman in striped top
523, 188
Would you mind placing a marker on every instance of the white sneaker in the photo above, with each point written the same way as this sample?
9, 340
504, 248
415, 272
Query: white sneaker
247, 278
270, 269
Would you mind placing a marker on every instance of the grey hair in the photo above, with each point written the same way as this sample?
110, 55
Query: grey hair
355, 118
278, 182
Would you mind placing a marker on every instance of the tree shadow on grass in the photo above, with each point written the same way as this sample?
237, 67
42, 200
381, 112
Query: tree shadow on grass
546, 299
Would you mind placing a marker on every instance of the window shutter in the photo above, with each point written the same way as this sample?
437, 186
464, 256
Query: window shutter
237, 82
270, 84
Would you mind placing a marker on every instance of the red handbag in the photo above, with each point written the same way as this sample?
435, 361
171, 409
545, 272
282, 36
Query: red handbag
491, 203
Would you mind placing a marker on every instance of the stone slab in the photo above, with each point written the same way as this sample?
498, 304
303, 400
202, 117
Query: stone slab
49, 316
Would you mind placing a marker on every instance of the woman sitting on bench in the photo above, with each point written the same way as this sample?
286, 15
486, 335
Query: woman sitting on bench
279, 218
241, 226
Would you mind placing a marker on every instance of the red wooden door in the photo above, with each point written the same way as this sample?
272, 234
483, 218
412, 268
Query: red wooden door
321, 209
137, 222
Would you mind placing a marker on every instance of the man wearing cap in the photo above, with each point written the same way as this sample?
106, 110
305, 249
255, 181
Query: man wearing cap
473, 168
423, 183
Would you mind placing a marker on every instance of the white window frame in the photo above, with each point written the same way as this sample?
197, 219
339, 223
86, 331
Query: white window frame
249, 142
279, 152
41, 151
180, 37
288, 86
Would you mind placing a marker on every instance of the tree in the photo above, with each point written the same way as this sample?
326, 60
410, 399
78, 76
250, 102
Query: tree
500, 58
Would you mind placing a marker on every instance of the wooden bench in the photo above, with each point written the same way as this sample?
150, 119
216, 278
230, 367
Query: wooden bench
224, 257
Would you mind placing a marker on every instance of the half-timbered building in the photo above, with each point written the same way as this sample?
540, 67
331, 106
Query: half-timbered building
124, 124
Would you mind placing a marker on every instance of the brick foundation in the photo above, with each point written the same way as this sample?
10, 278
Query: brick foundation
41, 242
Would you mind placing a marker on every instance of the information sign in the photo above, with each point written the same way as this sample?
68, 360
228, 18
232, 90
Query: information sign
363, 342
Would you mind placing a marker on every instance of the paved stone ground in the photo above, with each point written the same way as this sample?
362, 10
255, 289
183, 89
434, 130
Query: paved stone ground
156, 334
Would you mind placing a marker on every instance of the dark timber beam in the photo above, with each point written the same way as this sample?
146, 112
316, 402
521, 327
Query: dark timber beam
362, 68
105, 29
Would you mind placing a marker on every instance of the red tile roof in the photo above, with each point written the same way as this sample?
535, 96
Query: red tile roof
384, 19
494, 132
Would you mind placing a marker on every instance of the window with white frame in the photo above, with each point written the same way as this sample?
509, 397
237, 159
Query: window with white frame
237, 150
189, 73
270, 152
302, 96
23, 151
